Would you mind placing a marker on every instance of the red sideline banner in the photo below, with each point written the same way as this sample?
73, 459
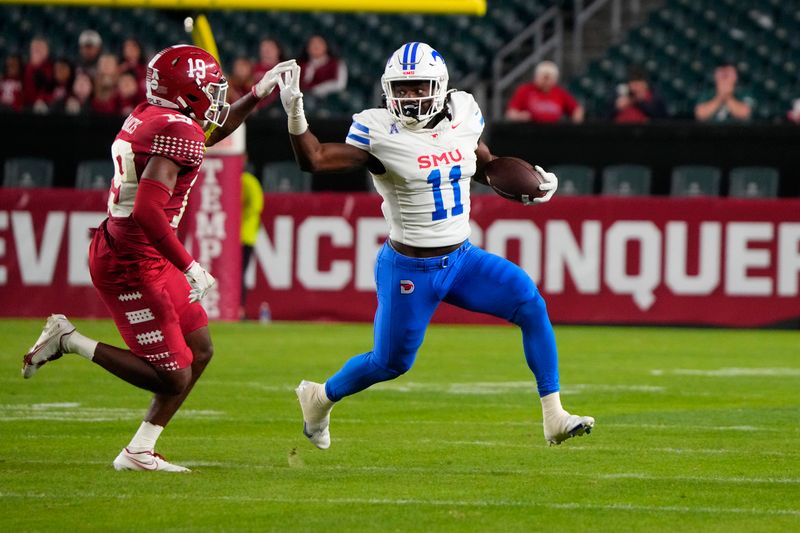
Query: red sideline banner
697, 261
210, 230
44, 244
597, 260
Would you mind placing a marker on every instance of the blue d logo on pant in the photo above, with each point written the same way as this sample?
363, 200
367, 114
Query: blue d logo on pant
406, 286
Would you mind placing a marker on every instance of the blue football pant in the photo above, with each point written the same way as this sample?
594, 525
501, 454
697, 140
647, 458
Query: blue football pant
410, 289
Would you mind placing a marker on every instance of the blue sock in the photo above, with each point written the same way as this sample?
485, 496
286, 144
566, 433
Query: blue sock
356, 375
539, 343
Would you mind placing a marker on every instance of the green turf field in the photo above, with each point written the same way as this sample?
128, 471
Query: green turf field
696, 430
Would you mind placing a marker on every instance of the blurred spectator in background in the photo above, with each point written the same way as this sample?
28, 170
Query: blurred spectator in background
270, 54
322, 72
79, 100
241, 79
133, 60
105, 85
252, 206
62, 79
794, 113
636, 102
37, 80
11, 84
90, 44
727, 104
129, 93
544, 100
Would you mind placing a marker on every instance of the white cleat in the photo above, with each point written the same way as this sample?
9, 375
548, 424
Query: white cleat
316, 413
149, 460
49, 346
565, 426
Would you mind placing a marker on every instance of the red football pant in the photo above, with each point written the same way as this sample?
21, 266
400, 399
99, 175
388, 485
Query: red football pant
149, 301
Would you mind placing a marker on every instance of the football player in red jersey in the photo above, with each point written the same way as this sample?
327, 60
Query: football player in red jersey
144, 275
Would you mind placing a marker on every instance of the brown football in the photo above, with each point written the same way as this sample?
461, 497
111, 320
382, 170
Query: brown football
514, 179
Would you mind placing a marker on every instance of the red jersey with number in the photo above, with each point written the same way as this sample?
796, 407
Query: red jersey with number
543, 106
151, 131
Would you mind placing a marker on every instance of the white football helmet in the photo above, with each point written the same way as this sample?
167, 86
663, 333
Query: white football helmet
415, 62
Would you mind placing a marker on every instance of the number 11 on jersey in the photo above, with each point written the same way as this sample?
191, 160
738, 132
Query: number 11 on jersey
435, 179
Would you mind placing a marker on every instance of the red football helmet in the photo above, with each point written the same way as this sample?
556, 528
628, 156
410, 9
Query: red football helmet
189, 79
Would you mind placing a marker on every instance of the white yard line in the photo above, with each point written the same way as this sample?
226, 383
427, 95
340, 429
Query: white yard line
729, 372
439, 471
622, 507
74, 412
468, 388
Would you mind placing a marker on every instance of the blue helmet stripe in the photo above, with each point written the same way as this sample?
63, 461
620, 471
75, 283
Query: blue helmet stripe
405, 55
414, 56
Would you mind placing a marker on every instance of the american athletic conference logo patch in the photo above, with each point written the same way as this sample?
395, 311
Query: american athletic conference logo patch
406, 286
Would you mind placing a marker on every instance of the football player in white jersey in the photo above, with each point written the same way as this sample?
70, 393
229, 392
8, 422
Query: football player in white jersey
422, 151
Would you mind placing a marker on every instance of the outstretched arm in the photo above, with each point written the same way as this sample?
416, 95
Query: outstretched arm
239, 111
314, 156
245, 105
311, 155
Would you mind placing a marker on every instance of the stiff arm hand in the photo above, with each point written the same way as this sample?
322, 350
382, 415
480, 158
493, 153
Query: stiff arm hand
270, 79
292, 100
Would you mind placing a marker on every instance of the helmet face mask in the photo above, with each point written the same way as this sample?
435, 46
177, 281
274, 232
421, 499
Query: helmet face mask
415, 84
218, 109
413, 99
188, 79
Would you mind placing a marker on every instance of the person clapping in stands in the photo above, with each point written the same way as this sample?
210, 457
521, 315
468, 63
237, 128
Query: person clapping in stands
728, 103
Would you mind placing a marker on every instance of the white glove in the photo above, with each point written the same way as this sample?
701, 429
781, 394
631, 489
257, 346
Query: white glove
270, 78
199, 280
292, 100
550, 185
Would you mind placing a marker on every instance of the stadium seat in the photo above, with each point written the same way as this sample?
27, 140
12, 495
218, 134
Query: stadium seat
695, 180
28, 172
626, 180
753, 182
682, 41
285, 176
95, 174
574, 180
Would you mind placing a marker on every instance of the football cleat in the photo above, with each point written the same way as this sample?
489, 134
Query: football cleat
565, 426
316, 413
149, 460
49, 346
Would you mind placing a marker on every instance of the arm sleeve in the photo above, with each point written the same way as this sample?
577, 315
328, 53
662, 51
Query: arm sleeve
148, 212
358, 135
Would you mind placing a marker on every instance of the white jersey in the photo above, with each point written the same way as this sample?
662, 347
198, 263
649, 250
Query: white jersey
425, 188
